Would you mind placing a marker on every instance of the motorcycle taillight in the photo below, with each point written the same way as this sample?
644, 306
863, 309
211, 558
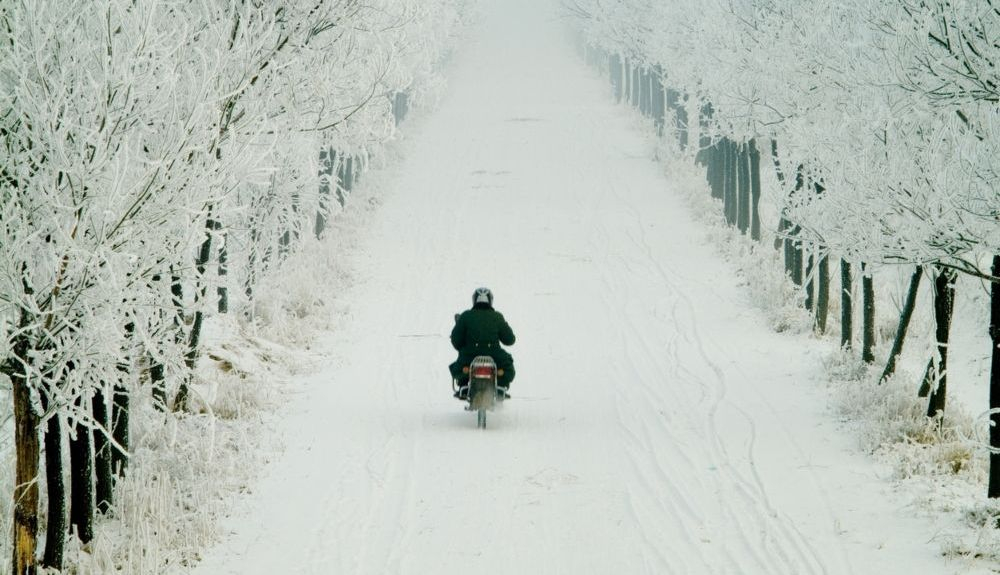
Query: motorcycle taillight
482, 372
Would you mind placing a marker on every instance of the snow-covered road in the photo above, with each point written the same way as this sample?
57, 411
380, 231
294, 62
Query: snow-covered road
658, 426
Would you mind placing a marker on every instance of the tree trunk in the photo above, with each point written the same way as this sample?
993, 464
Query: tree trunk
904, 323
659, 101
254, 260
26, 448
717, 171
778, 172
754, 191
643, 77
734, 183
784, 225
944, 305
651, 81
647, 91
823, 293
222, 290
615, 74
994, 483
724, 178
681, 121
401, 105
55, 531
793, 254
705, 114
157, 376
156, 370
26, 467
157, 380
636, 88
792, 242
730, 194
846, 306
120, 430
341, 183
104, 482
743, 165
350, 174
177, 299
868, 316
81, 465
294, 218
327, 173
674, 104
120, 400
644, 92
928, 380
780, 242
810, 278
627, 73
194, 338
819, 280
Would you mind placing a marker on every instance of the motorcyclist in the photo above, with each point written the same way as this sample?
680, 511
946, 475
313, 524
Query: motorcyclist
480, 331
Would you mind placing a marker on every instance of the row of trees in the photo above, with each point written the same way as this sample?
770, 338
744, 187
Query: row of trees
153, 156
880, 120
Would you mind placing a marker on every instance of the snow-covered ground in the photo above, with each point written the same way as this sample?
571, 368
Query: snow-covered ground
658, 425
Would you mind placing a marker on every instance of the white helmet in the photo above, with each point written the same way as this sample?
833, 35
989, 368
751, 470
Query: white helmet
482, 295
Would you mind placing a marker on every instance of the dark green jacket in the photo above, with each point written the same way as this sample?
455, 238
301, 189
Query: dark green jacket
480, 330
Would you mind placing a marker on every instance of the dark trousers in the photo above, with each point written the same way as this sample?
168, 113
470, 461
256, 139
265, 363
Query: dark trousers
503, 360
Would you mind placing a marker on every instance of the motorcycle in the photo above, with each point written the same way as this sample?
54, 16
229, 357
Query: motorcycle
482, 392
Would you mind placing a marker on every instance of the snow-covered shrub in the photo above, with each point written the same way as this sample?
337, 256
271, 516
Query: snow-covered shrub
185, 470
886, 415
770, 287
844, 365
986, 515
306, 296
237, 361
981, 517
942, 461
891, 420
296, 304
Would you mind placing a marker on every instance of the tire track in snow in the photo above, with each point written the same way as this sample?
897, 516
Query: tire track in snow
751, 495
657, 559
780, 537
650, 439
399, 515
656, 485
654, 428
653, 481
